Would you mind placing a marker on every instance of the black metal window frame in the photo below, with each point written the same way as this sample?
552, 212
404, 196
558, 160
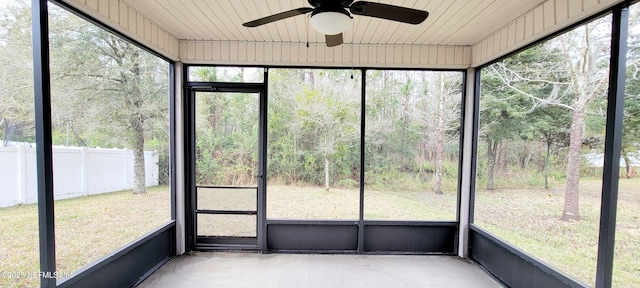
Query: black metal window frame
316, 231
503, 259
135, 254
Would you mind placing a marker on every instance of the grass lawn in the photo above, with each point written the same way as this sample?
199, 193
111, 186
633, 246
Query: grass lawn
82, 225
297, 202
530, 219
527, 218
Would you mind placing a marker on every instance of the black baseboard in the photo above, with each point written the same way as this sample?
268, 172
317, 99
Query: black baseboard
512, 266
131, 264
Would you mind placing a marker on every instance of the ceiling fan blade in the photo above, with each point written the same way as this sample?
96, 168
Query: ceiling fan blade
333, 40
389, 12
279, 16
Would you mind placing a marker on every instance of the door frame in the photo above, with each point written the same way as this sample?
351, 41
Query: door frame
191, 88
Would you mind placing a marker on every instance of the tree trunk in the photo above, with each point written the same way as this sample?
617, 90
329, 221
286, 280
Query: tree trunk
439, 131
425, 147
546, 166
502, 156
492, 146
6, 131
138, 160
526, 155
326, 173
403, 165
627, 165
571, 197
137, 123
437, 186
542, 161
588, 83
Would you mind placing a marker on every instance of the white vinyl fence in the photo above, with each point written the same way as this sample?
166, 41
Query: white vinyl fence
77, 171
597, 160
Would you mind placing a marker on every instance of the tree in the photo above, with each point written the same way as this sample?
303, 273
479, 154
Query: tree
106, 91
412, 126
440, 96
107, 87
585, 50
508, 94
568, 71
383, 110
329, 115
553, 124
17, 122
285, 154
448, 95
226, 131
631, 122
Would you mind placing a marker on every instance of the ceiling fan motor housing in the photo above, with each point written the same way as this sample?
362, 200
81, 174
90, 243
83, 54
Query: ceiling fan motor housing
324, 9
339, 4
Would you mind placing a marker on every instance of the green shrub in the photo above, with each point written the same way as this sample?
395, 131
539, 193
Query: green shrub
450, 169
347, 183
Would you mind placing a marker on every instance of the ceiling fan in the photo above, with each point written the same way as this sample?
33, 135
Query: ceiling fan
331, 17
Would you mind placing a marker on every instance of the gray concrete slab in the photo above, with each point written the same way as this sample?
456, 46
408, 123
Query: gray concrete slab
225, 269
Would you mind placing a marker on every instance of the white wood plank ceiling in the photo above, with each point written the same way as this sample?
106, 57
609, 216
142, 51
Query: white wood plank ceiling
451, 22
457, 34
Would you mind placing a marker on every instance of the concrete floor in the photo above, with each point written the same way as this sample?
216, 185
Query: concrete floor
226, 269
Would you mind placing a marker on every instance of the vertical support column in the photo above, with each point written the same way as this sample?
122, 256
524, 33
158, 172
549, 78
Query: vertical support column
363, 99
42, 92
262, 165
177, 139
190, 166
612, 146
465, 187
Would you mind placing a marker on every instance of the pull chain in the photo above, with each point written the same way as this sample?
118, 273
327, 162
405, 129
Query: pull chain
353, 32
306, 22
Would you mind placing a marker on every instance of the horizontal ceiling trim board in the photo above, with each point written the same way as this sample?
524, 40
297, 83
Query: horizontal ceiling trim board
274, 53
328, 65
128, 21
544, 20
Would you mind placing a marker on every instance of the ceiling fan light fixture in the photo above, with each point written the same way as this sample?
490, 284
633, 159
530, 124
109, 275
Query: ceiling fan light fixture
331, 17
330, 22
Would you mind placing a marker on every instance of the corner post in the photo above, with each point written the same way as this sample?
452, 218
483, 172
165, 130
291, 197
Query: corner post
44, 153
612, 146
